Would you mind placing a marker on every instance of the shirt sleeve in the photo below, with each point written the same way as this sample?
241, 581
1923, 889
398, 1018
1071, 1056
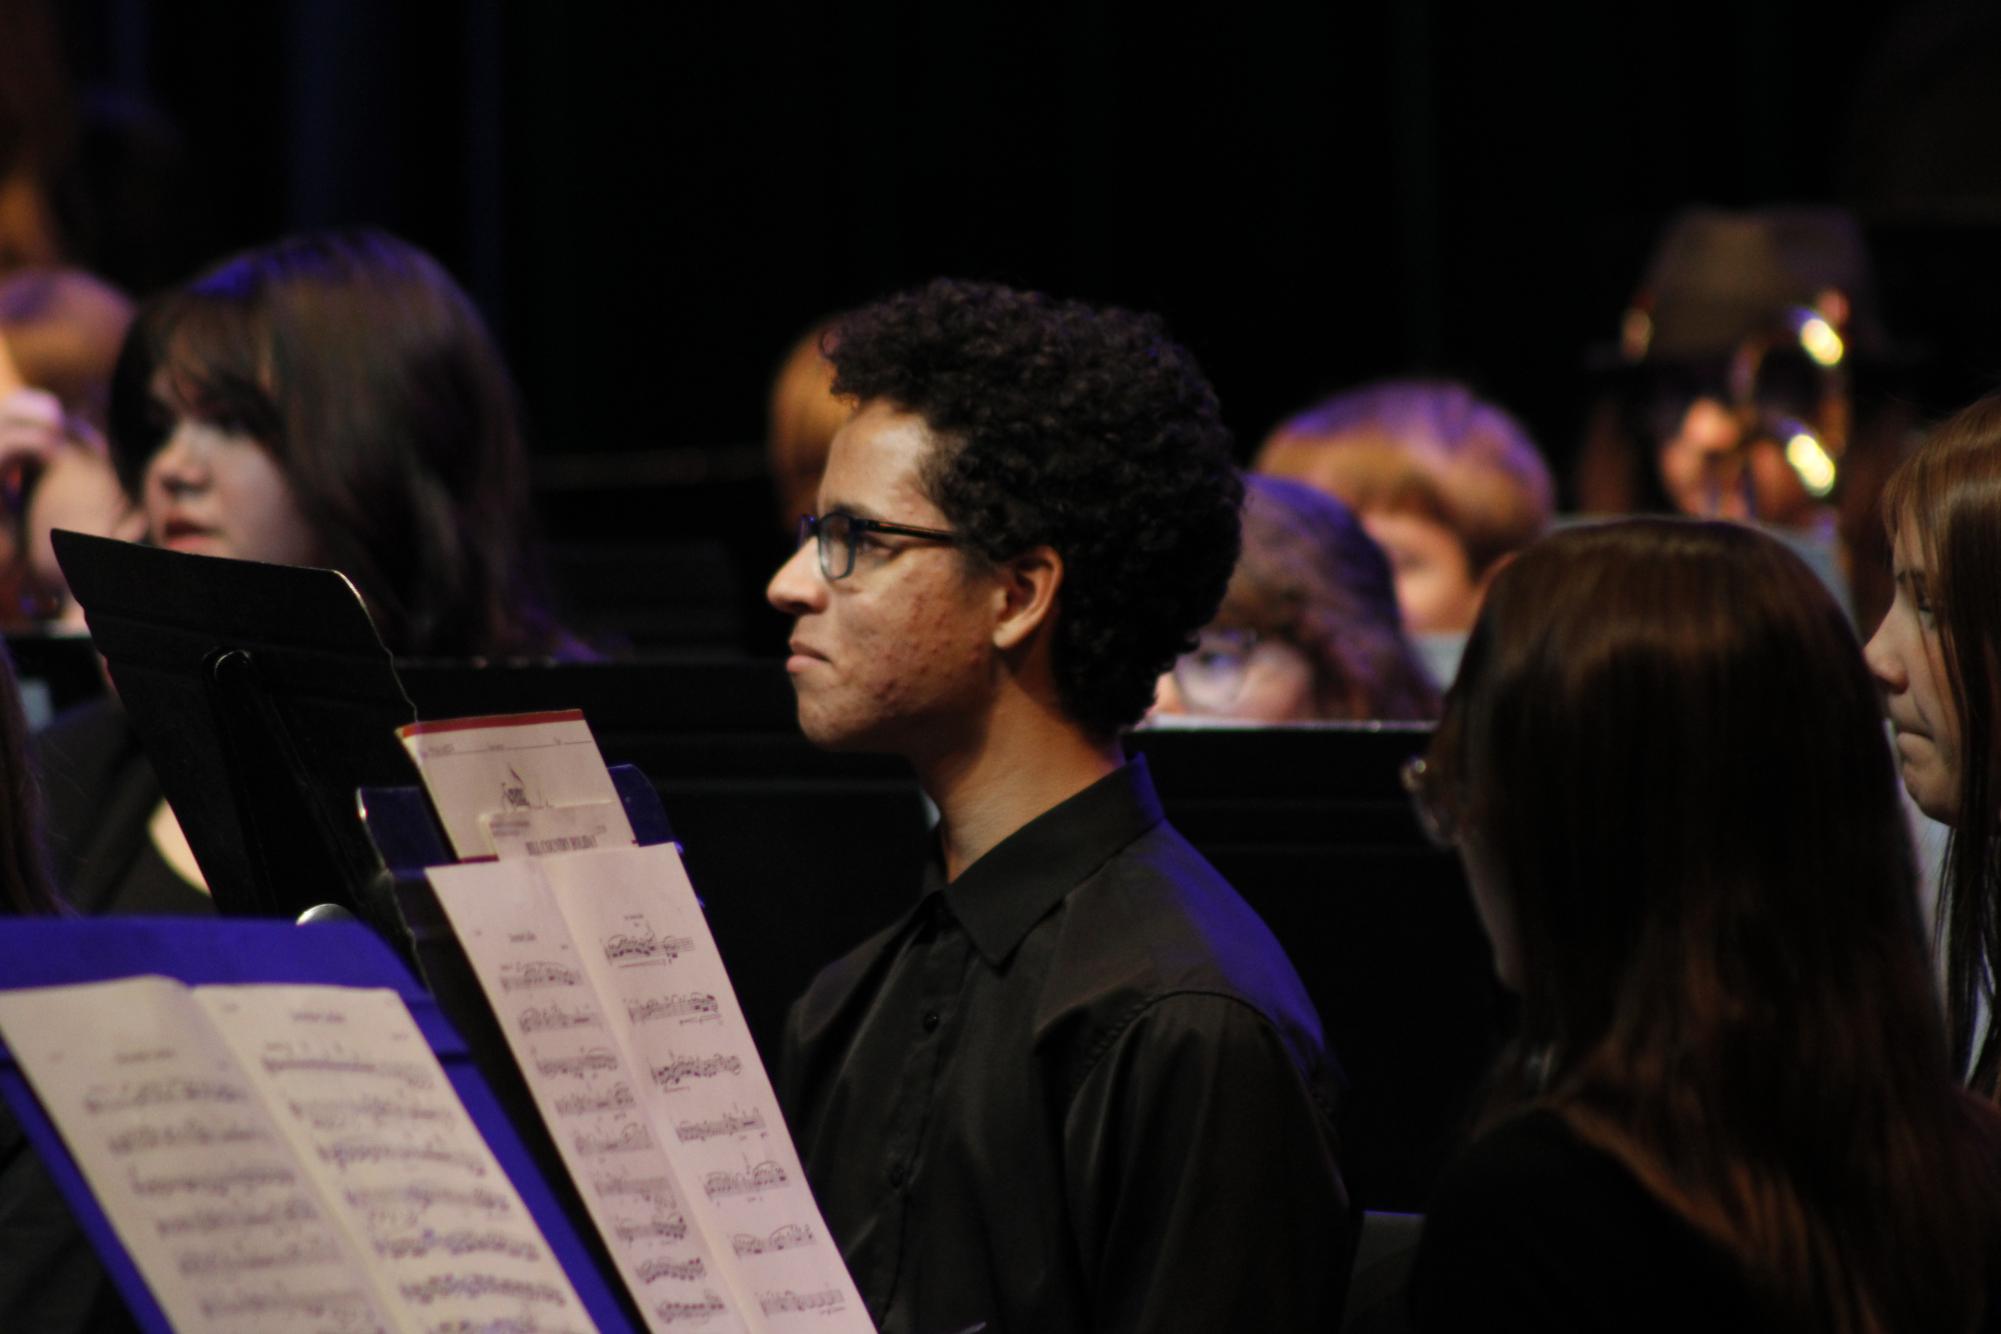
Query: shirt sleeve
1203, 1183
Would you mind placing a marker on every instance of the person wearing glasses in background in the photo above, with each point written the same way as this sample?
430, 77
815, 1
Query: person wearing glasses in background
1309, 630
1078, 1086
1730, 1102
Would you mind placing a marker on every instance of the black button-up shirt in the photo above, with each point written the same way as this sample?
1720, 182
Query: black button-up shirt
1079, 1088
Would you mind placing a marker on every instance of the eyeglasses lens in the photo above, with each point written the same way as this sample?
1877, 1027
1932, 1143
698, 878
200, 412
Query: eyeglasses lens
1212, 675
836, 542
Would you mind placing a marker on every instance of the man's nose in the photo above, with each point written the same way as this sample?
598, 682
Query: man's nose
797, 588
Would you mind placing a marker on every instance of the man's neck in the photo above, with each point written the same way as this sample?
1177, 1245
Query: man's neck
1029, 758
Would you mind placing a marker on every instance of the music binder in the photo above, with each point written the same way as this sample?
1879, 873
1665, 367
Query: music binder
39, 952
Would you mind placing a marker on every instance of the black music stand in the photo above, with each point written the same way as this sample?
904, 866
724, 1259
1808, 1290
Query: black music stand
265, 699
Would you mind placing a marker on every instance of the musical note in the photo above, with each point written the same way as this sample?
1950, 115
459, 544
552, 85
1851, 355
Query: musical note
346, 1308
675, 1313
826, 1299
655, 1229
537, 976
689, 1271
617, 1098
749, 1181
333, 1063
420, 1196
629, 1138
161, 1092
626, 948
654, 1190
441, 1286
593, 1060
338, 1113
687, 1003
244, 1258
191, 1133
681, 1068
224, 1182
526, 1324
780, 1239
459, 1241
555, 1017
296, 1210
732, 1122
346, 1153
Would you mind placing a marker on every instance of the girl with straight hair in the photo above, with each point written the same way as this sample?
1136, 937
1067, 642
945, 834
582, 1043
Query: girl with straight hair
1935, 655
1731, 1102
334, 400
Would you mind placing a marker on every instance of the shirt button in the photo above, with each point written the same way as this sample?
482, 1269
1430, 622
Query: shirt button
898, 1174
931, 1021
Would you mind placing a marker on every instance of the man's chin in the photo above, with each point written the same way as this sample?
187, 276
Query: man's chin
833, 735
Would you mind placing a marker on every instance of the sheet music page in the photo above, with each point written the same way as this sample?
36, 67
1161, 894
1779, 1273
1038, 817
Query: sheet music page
586, 1089
361, 1098
198, 1181
524, 784
646, 944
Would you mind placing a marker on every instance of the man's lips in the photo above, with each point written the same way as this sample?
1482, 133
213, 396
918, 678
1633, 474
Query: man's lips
802, 656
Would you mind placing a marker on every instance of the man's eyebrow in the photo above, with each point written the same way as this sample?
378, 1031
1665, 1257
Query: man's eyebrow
853, 510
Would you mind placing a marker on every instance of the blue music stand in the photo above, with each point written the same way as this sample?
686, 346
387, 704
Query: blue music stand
41, 952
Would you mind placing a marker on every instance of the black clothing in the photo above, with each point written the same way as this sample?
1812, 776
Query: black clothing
101, 792
1079, 1088
1533, 1229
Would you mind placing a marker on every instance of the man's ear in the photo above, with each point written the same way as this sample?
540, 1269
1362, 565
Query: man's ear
1028, 587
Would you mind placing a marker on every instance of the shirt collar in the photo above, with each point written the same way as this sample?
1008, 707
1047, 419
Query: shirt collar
1021, 878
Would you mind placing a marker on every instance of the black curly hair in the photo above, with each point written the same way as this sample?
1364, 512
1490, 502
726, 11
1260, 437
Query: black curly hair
1088, 430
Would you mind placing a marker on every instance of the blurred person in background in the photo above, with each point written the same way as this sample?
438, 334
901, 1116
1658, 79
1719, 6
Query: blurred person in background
332, 400
1309, 629
1448, 484
1745, 387
60, 331
803, 416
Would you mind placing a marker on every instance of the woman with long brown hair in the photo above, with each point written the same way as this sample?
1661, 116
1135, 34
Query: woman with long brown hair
1731, 1102
1935, 656
331, 399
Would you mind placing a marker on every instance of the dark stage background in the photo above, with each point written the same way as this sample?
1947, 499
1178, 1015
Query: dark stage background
652, 201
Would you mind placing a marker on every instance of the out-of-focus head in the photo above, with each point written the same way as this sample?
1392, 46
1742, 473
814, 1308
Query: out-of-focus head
1664, 759
805, 413
60, 330
336, 399
1447, 483
1936, 650
1739, 337
1309, 627
1024, 424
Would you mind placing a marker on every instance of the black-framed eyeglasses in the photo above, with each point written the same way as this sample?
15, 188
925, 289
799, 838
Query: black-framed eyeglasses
1435, 815
841, 534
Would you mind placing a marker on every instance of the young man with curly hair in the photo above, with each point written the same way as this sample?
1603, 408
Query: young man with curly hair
1078, 1086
